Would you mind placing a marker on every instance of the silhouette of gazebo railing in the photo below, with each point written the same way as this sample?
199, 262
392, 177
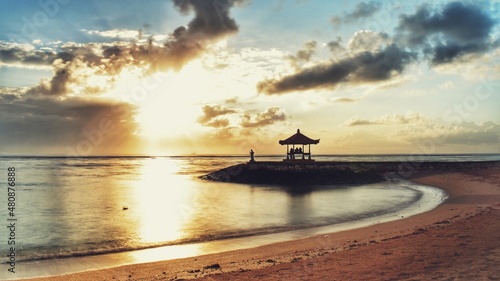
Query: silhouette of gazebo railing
298, 139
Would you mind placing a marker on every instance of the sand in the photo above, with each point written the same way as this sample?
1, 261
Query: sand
459, 240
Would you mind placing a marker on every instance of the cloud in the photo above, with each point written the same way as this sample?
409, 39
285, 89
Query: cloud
454, 31
356, 121
420, 129
427, 139
222, 135
483, 68
363, 67
212, 17
304, 55
344, 100
336, 46
464, 133
268, 117
218, 123
231, 101
115, 33
213, 111
394, 119
74, 64
367, 41
8, 94
361, 11
448, 85
361, 41
70, 126
121, 34
17, 54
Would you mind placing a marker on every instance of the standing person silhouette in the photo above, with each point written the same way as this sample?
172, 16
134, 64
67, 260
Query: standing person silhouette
251, 156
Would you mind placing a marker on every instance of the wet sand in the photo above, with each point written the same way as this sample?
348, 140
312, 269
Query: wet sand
459, 240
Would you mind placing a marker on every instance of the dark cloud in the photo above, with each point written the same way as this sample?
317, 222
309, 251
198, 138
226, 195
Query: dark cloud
268, 117
455, 30
211, 22
305, 54
363, 67
212, 16
70, 126
213, 111
441, 36
361, 41
18, 54
336, 45
8, 95
12, 53
367, 40
361, 11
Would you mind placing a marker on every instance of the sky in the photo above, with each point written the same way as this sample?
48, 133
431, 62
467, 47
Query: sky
176, 77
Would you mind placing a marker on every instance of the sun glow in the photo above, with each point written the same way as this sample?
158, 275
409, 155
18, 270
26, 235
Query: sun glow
168, 102
172, 105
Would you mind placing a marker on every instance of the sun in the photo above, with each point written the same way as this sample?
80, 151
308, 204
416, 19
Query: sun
169, 104
172, 102
166, 113
162, 117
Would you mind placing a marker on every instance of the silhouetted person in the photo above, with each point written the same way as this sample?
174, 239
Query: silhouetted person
291, 154
300, 149
251, 155
296, 150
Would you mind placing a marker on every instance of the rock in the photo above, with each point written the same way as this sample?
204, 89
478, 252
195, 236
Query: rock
329, 173
213, 266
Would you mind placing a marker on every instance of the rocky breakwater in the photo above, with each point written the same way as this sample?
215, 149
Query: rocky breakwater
290, 174
326, 173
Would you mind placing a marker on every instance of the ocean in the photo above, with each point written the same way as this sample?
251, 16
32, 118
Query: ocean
69, 207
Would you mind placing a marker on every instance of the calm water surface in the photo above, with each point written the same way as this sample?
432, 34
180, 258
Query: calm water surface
85, 206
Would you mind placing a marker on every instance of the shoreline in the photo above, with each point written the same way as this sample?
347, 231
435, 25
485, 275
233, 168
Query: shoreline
428, 198
474, 196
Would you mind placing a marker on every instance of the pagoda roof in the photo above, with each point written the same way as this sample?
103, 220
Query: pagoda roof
299, 138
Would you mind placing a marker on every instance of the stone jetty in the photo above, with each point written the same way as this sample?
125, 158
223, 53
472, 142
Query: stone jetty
327, 173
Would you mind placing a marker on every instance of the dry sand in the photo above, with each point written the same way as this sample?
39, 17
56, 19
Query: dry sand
459, 240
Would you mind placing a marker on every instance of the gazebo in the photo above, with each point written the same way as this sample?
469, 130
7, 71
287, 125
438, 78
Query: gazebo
298, 139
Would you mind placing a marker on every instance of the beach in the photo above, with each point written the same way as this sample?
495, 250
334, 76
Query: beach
458, 240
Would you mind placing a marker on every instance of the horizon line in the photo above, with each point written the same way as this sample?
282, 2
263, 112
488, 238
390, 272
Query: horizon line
11, 155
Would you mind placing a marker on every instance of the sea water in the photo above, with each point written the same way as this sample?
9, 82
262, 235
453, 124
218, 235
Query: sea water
79, 207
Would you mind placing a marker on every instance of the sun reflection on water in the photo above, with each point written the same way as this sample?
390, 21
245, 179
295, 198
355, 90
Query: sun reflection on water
161, 201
